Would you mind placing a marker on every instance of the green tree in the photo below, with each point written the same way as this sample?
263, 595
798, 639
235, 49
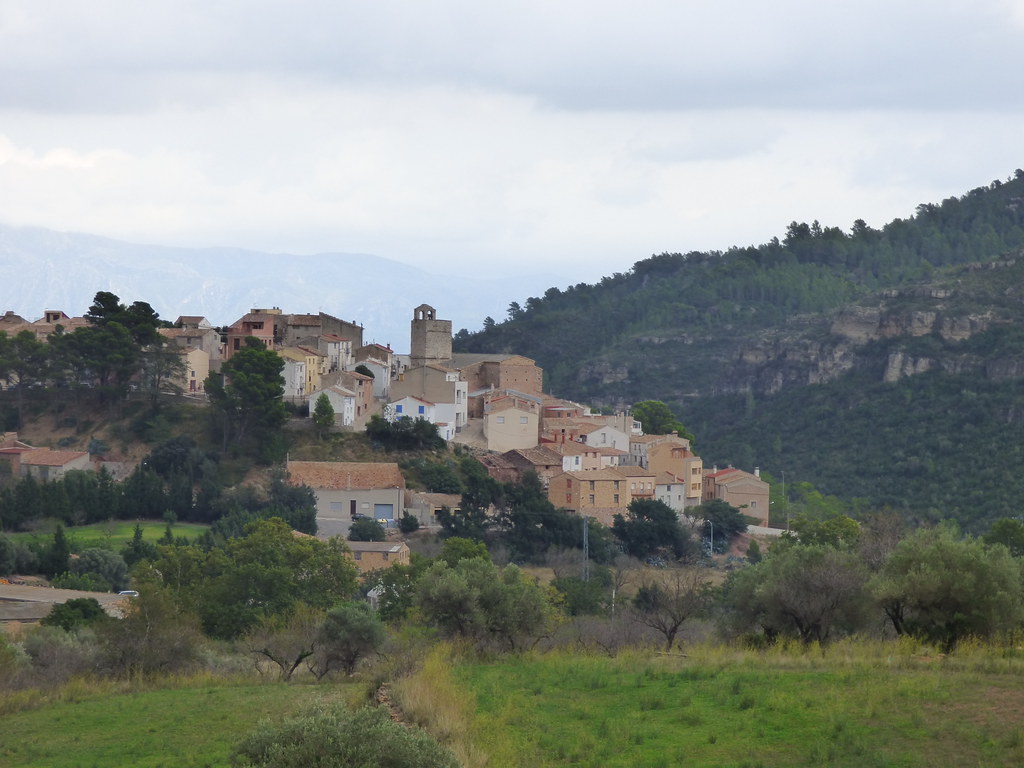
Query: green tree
268, 572
1006, 531
530, 524
350, 632
651, 528
366, 529
28, 362
8, 556
808, 592
337, 737
408, 523
323, 414
656, 418
53, 560
725, 520
476, 600
155, 637
247, 396
941, 587
457, 548
103, 563
74, 613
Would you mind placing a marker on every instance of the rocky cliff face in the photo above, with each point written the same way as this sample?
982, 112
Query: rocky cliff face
942, 316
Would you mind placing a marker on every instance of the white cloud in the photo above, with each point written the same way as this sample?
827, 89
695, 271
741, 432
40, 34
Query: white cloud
566, 136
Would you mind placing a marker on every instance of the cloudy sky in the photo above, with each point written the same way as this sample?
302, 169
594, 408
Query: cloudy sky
570, 138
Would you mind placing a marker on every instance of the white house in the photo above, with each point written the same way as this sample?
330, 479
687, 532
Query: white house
342, 400
419, 408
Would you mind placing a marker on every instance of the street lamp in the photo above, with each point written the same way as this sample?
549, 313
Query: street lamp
712, 524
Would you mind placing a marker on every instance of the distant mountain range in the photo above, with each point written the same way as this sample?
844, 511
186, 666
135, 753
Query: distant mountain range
43, 269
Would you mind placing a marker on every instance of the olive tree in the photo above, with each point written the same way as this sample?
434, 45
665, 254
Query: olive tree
943, 587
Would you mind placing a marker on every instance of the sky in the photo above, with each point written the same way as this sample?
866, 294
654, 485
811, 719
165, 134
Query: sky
566, 138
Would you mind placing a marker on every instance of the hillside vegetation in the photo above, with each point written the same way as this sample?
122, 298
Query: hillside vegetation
879, 364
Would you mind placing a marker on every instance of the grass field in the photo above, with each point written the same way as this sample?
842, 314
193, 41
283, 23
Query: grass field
113, 534
190, 727
887, 706
852, 705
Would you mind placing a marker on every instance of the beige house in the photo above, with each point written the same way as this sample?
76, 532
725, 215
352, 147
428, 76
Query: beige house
640, 482
597, 493
374, 555
746, 491
425, 506
512, 420
196, 369
345, 489
362, 386
486, 372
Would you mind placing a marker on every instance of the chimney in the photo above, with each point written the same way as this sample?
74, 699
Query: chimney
757, 472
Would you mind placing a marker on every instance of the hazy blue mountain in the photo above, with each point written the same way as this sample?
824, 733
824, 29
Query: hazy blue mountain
43, 269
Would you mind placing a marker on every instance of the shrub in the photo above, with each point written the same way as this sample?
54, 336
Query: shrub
333, 736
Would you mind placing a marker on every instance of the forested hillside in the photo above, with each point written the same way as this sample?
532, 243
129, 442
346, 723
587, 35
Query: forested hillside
883, 364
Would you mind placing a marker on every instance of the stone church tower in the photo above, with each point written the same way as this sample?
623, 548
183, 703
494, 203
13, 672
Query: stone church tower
431, 340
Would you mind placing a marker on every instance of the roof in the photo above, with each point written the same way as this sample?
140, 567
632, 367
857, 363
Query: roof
465, 359
596, 474
451, 500
44, 457
571, 448
345, 475
539, 456
377, 546
635, 472
412, 397
303, 320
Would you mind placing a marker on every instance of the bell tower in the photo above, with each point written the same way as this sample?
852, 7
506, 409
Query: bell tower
431, 339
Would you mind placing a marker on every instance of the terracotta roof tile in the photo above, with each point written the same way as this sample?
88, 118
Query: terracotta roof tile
342, 475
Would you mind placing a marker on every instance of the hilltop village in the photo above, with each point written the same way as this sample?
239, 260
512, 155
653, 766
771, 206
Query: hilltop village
492, 404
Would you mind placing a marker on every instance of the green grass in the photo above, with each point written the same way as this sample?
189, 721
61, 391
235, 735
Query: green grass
170, 728
113, 534
722, 708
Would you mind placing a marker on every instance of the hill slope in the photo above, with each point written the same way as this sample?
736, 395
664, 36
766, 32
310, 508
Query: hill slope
880, 364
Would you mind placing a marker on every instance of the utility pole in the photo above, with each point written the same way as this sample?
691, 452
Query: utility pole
785, 506
586, 549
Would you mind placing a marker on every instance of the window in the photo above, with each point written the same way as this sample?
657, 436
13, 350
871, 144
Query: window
591, 485
568, 498
336, 506
753, 504
524, 419
398, 409
501, 419
385, 554
616, 499
591, 498
616, 485
358, 555
422, 409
